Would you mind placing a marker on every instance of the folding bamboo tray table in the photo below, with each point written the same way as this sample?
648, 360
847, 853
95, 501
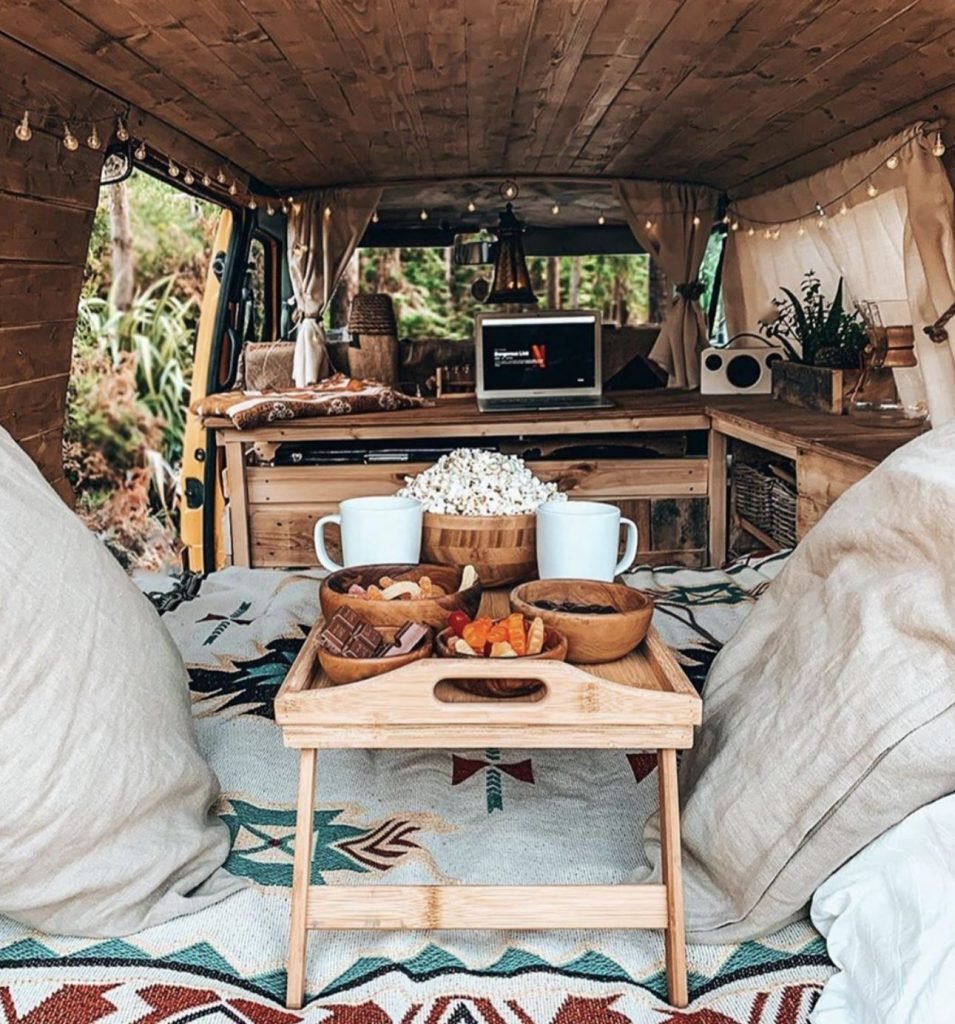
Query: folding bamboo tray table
643, 701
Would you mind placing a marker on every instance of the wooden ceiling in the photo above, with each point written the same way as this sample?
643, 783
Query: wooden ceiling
298, 93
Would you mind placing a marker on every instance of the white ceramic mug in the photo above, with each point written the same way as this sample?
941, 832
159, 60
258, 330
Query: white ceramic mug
580, 540
374, 530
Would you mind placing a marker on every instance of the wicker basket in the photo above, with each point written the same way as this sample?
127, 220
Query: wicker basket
783, 529
754, 496
372, 314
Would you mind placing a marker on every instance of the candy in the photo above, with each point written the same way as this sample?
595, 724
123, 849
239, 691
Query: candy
407, 638
503, 650
515, 633
535, 636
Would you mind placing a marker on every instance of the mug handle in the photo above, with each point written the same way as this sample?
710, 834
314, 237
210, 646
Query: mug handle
630, 551
320, 549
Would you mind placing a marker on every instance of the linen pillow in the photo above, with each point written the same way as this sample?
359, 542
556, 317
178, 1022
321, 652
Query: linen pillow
107, 825
829, 716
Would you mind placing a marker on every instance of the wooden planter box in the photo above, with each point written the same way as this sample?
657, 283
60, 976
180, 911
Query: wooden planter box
814, 387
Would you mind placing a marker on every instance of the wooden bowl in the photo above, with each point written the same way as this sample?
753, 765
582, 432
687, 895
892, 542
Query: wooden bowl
591, 638
429, 611
503, 549
350, 670
555, 649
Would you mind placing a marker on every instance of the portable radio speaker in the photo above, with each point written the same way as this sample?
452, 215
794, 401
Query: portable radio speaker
732, 371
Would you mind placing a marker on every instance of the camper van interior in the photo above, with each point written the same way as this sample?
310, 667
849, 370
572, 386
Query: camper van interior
549, 417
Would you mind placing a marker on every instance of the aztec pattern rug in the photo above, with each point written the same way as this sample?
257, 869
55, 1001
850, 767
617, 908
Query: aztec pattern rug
478, 816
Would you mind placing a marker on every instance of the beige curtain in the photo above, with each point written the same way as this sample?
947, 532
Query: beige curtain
895, 248
673, 222
324, 229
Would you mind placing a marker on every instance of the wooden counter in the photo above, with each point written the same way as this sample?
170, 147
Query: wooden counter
678, 498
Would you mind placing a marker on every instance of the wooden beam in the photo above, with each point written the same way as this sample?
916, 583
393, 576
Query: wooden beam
494, 907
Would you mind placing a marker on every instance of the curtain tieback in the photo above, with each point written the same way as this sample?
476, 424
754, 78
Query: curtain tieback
691, 291
298, 316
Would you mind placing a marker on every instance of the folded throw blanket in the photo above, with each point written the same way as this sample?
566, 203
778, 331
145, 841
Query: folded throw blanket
830, 716
337, 396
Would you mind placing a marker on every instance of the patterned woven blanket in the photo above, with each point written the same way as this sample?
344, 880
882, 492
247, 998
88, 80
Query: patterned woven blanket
479, 816
337, 396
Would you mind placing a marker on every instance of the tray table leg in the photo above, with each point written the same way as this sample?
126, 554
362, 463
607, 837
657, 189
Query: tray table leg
301, 877
675, 938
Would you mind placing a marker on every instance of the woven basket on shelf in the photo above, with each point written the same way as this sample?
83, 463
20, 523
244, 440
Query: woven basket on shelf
754, 497
373, 353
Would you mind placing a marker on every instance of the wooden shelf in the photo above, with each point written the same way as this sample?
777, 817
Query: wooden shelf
754, 531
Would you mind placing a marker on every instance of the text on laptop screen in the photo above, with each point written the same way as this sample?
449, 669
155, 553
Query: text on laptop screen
528, 353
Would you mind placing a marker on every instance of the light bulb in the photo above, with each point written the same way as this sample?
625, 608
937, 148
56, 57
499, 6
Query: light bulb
648, 224
188, 178
173, 169
801, 231
892, 162
821, 223
601, 220
270, 209
735, 225
843, 210
871, 191
122, 132
23, 131
233, 188
206, 181
727, 219
555, 209
253, 205
69, 139
295, 205
328, 212
93, 139
374, 217
767, 233
751, 231
472, 206
423, 215
510, 190
140, 151
938, 148
220, 176
776, 232
696, 221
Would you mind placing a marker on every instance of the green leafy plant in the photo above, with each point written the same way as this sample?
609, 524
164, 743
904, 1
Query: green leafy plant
814, 331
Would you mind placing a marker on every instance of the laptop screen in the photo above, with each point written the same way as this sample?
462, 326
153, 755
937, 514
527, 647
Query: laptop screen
538, 353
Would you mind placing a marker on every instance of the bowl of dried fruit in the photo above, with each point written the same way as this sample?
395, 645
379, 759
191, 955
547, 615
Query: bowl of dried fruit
390, 595
485, 639
601, 621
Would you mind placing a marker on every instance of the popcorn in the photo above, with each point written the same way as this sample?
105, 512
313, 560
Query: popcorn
471, 482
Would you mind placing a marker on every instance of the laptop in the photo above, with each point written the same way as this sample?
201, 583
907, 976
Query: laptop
539, 361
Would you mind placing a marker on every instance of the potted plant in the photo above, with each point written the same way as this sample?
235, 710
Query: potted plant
824, 342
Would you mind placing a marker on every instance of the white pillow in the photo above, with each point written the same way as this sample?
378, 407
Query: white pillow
888, 917
107, 824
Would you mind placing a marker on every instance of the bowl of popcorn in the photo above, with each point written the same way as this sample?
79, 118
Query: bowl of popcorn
479, 509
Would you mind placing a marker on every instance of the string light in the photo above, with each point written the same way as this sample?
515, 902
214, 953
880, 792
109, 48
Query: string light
820, 209
648, 224
206, 181
70, 141
140, 152
295, 206
327, 212
253, 205
767, 233
892, 162
374, 217
270, 209
220, 176
173, 169
93, 139
696, 221
872, 191
938, 147
122, 132
423, 215
843, 210
188, 178
23, 131
509, 190
233, 188
555, 209
734, 226
801, 230
776, 232
751, 231
601, 220
472, 206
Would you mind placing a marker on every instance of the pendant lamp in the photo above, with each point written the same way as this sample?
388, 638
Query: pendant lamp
512, 282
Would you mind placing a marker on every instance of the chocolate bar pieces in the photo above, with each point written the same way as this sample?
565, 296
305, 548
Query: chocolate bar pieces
348, 635
406, 640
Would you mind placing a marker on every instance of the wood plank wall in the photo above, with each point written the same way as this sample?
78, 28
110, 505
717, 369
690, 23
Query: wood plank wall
47, 200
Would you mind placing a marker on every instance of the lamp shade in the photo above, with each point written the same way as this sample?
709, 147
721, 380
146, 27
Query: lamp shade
512, 282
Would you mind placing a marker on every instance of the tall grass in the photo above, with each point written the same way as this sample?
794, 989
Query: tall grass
157, 332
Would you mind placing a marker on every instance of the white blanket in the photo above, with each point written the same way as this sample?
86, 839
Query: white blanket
831, 715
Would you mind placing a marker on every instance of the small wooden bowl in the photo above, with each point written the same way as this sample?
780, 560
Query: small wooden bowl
351, 670
503, 549
555, 649
429, 611
591, 638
